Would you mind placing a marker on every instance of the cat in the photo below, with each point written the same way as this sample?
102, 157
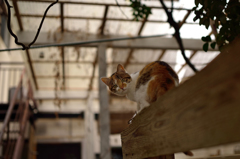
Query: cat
143, 87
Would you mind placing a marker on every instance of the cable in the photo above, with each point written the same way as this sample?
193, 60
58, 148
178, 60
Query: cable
86, 42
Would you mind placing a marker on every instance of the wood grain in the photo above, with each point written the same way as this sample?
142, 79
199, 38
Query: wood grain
202, 112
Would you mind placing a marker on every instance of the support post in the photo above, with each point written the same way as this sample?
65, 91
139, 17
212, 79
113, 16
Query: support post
104, 110
89, 129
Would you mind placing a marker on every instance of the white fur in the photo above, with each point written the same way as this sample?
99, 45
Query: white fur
139, 95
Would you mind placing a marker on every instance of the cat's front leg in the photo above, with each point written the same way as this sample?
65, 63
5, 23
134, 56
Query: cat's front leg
141, 105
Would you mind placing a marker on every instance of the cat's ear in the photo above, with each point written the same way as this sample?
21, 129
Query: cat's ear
120, 68
106, 80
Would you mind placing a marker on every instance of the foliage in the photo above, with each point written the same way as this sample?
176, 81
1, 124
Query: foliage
140, 10
225, 16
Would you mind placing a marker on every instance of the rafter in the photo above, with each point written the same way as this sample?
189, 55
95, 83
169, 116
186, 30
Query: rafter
132, 50
62, 16
162, 54
193, 54
104, 20
93, 74
31, 69
97, 4
185, 18
15, 6
95, 18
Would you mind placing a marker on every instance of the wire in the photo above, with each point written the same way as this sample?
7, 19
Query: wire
121, 9
39, 29
86, 42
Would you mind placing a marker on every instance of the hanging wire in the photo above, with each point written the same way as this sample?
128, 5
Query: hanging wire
87, 42
39, 28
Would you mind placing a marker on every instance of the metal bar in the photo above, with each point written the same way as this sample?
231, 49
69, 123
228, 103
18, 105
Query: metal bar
62, 16
86, 42
20, 141
3, 81
10, 109
104, 20
17, 14
31, 68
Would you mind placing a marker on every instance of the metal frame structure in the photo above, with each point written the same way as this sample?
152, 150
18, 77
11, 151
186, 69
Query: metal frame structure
104, 19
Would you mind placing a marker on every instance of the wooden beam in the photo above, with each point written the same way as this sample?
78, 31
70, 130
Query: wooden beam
132, 50
128, 58
93, 73
63, 67
15, 6
90, 62
97, 4
162, 54
29, 60
193, 54
62, 16
146, 43
185, 18
202, 112
104, 20
104, 102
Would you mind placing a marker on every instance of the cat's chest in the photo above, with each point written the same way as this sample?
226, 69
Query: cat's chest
137, 94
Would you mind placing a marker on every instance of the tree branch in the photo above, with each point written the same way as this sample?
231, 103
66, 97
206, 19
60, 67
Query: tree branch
177, 36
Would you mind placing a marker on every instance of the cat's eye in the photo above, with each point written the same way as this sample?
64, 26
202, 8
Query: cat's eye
114, 87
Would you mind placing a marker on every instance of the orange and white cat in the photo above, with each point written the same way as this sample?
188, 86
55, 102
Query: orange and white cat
143, 87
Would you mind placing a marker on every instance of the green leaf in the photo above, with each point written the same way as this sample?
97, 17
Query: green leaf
206, 38
205, 46
213, 44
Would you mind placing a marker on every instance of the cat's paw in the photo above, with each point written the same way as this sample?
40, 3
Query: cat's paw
130, 121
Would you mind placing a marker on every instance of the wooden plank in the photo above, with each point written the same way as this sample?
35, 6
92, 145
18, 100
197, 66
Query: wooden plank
202, 112
103, 102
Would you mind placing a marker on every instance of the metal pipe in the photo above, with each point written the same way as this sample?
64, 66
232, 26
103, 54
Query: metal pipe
10, 109
86, 42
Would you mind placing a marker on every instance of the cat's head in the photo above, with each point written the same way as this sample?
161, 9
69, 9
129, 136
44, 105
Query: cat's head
119, 81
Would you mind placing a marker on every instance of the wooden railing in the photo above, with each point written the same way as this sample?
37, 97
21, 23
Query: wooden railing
202, 112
